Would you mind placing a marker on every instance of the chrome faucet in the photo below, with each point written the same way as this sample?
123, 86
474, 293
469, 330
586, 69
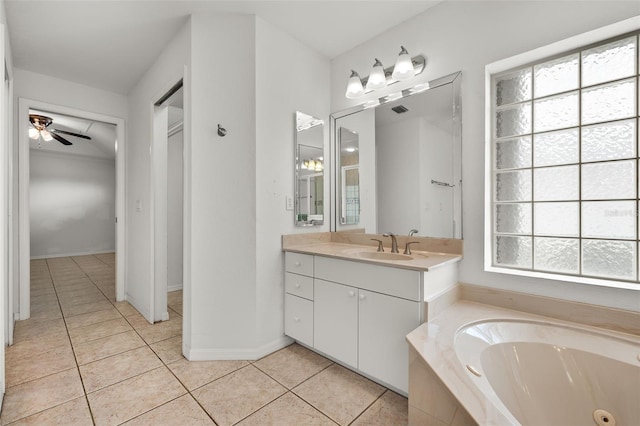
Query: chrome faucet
413, 232
394, 242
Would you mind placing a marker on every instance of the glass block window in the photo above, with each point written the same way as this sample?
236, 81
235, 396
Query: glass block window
564, 163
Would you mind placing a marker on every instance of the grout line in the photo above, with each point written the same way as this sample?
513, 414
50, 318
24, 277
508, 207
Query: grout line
369, 406
166, 364
75, 359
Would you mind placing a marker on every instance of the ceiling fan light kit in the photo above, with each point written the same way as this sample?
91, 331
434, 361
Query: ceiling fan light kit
40, 128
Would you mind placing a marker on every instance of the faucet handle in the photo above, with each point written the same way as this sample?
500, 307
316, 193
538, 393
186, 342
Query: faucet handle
413, 232
380, 248
407, 249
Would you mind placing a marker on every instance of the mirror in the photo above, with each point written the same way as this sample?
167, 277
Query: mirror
309, 170
407, 174
349, 177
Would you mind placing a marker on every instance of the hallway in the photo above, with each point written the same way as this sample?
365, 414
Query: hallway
84, 359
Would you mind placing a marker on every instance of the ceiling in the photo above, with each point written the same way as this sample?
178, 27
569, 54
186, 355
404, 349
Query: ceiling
109, 44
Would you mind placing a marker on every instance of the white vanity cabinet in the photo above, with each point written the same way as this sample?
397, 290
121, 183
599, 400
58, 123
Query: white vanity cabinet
298, 301
384, 321
361, 315
335, 320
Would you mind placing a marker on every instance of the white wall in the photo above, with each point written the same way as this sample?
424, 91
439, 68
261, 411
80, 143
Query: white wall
222, 173
161, 76
72, 204
466, 36
43, 88
290, 77
6, 172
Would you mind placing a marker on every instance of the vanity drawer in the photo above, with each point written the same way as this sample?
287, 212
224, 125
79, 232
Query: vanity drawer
299, 285
298, 323
298, 263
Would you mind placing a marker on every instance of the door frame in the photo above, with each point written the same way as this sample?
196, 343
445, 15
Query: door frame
6, 185
24, 105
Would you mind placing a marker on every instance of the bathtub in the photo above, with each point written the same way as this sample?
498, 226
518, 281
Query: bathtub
543, 373
506, 367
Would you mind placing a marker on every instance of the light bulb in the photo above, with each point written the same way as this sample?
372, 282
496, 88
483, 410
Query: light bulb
46, 136
377, 79
403, 68
354, 86
34, 133
319, 166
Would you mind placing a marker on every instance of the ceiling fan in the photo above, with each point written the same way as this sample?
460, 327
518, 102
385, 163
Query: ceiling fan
40, 128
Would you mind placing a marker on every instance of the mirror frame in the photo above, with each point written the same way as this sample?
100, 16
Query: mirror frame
296, 173
453, 78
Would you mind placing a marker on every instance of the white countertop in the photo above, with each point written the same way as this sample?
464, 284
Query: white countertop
421, 260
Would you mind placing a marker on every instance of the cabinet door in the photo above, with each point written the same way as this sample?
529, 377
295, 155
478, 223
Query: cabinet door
298, 319
384, 323
335, 321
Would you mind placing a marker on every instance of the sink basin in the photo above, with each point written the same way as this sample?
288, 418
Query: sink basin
380, 255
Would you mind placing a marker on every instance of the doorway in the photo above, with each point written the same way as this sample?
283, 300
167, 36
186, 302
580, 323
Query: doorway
25, 106
168, 204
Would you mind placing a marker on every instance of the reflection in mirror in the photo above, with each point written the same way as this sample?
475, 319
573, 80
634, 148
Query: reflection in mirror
409, 168
349, 177
309, 171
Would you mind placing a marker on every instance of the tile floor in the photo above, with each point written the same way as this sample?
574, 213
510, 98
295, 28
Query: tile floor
83, 359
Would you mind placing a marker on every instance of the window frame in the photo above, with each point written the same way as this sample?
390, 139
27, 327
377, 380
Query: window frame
546, 53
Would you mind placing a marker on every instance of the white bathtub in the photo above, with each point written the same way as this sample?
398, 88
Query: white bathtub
540, 373
507, 367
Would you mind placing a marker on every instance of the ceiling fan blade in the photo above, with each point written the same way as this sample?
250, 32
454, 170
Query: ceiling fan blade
78, 135
60, 139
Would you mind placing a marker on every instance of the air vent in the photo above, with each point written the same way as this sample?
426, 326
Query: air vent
400, 109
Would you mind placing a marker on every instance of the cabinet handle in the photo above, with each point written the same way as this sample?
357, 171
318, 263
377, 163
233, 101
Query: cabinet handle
362, 297
352, 293
297, 264
296, 319
297, 285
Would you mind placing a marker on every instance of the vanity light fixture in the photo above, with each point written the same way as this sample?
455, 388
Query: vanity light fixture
354, 86
377, 78
405, 68
315, 165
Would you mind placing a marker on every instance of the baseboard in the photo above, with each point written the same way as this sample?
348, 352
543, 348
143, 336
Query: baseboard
250, 354
88, 253
174, 287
